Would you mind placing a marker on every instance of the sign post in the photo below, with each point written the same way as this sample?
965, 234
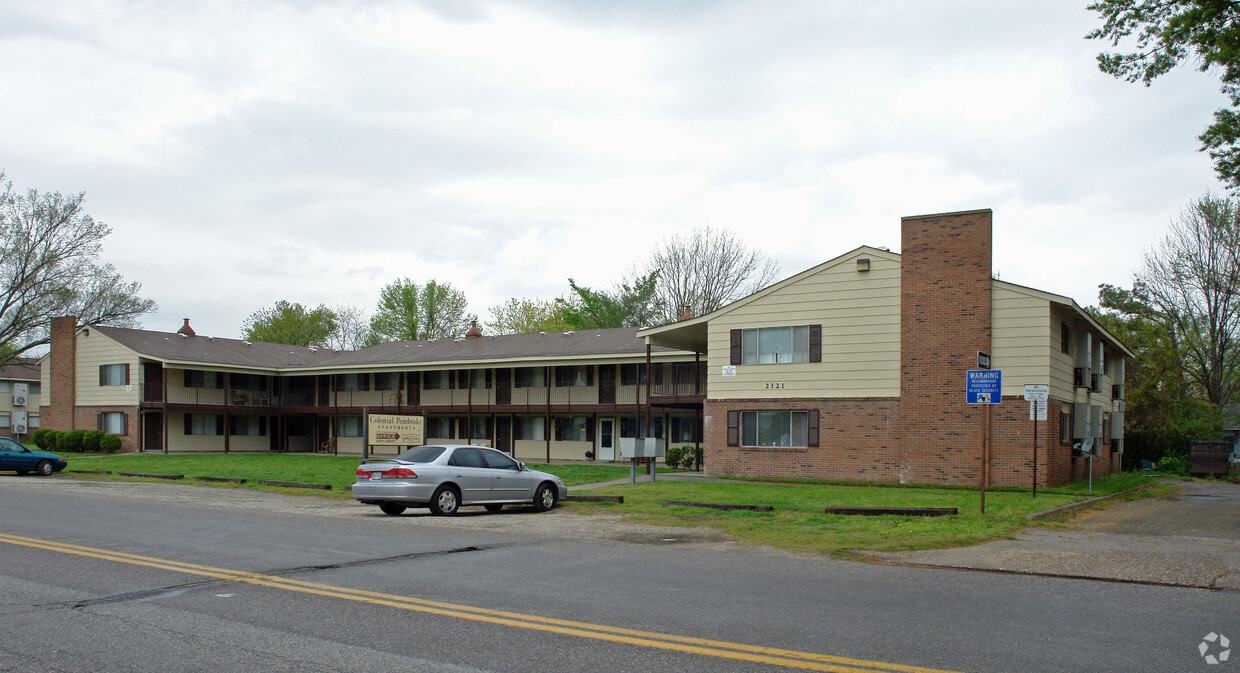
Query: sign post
984, 386
1037, 395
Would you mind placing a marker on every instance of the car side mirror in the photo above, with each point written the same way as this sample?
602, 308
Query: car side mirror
520, 466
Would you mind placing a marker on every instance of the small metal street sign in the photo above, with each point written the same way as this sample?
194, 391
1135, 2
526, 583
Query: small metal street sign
984, 386
1039, 392
1037, 410
983, 360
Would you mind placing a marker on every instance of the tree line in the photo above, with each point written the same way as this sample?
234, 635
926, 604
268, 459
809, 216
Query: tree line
697, 272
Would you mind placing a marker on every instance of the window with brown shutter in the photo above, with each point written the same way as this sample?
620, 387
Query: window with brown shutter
812, 432
815, 346
735, 347
734, 428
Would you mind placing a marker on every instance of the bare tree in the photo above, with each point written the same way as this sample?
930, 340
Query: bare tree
49, 251
352, 329
1193, 282
704, 271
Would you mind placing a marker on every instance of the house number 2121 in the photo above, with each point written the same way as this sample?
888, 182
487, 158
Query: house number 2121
774, 386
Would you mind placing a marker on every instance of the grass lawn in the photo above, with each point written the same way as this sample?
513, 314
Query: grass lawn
798, 522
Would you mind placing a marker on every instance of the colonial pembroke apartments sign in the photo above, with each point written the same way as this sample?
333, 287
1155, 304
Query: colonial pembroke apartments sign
391, 430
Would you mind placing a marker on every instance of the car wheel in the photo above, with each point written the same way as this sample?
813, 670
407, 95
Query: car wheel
392, 508
446, 501
493, 508
45, 468
544, 498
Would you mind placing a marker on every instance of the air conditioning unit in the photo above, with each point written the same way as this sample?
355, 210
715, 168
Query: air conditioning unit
1080, 377
19, 429
1117, 391
19, 400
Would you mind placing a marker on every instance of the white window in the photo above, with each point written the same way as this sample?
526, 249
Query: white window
114, 375
572, 428
113, 422
530, 377
436, 380
6, 386
531, 427
36, 388
32, 421
247, 425
439, 426
5, 421
775, 428
775, 345
349, 426
202, 424
479, 428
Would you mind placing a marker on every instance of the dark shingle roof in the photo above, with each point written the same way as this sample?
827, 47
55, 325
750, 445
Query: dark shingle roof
22, 371
238, 353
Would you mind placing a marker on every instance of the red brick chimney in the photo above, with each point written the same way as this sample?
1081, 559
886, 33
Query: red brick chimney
186, 329
473, 332
57, 411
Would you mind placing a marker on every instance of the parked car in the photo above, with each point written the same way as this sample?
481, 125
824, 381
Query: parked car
14, 456
446, 478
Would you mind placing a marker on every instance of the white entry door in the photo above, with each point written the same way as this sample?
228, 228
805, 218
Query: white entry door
606, 439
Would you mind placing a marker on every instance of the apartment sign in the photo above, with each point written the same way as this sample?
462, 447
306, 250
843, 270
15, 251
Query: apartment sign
392, 430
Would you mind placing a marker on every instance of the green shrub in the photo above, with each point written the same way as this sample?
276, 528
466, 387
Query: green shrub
1175, 463
109, 443
40, 438
672, 457
90, 440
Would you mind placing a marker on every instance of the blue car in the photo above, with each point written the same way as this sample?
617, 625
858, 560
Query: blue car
14, 456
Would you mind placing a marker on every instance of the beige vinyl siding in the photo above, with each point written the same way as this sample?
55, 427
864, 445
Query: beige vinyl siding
1020, 341
95, 350
179, 442
178, 393
535, 450
1061, 362
860, 317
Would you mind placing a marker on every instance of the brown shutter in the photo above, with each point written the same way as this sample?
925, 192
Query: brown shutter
99, 421
735, 357
815, 346
734, 430
101, 370
589, 375
219, 424
812, 435
125, 418
559, 429
262, 425
189, 424
232, 425
590, 430
189, 379
126, 373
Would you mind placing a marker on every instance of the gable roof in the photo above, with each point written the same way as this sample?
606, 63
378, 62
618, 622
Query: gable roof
21, 371
173, 348
1071, 305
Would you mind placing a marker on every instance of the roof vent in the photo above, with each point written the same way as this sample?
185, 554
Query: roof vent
473, 332
183, 335
186, 330
247, 343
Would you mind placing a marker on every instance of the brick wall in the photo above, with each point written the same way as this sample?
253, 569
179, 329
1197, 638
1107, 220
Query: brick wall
58, 414
87, 418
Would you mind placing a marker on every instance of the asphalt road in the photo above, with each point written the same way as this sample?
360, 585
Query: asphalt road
117, 577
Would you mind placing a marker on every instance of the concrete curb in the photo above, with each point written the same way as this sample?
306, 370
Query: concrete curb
293, 484
1083, 504
150, 476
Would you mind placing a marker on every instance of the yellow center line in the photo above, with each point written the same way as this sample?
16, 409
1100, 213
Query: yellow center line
712, 648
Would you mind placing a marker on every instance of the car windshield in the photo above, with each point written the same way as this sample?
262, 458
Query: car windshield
421, 454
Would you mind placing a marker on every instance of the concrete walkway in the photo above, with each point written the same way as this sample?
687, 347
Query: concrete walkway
1190, 539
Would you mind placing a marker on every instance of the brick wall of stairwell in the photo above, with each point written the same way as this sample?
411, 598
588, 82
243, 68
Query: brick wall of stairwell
57, 413
945, 308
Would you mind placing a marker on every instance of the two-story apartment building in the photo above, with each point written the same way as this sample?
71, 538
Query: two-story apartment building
537, 396
856, 370
852, 370
20, 396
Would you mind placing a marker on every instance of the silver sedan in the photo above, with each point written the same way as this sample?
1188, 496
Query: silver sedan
446, 478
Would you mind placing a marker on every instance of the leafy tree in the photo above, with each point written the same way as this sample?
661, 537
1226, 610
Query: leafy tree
49, 263
527, 316
1192, 281
291, 323
704, 271
1169, 32
408, 311
629, 305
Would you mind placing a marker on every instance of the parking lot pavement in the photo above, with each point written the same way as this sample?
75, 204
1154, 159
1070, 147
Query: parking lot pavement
1189, 539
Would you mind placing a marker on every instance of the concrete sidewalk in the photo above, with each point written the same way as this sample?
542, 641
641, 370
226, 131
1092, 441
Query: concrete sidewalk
1191, 539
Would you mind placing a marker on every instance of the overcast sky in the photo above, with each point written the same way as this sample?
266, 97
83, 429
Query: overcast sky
245, 152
